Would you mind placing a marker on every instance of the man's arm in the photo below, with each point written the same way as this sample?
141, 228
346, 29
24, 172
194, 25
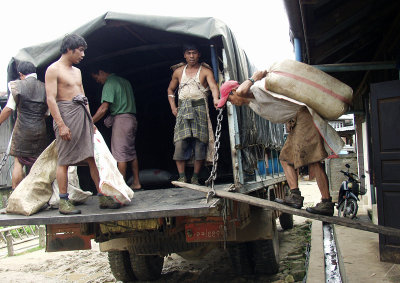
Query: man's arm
5, 114
101, 111
51, 93
171, 90
244, 89
213, 87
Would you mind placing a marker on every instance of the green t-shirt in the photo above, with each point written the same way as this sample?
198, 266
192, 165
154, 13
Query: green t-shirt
119, 93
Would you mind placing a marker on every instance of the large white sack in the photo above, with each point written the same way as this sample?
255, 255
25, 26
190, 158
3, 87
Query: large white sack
75, 193
112, 182
35, 190
328, 96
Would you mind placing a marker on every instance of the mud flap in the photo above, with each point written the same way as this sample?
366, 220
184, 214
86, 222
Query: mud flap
66, 237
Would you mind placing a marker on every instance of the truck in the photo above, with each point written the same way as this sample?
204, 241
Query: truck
163, 219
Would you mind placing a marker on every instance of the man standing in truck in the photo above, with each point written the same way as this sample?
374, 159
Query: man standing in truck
29, 139
304, 144
118, 97
191, 135
73, 124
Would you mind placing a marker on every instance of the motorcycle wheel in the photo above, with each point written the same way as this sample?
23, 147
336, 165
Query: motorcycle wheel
348, 208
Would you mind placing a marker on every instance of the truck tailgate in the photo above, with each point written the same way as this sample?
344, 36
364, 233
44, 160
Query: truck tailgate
145, 204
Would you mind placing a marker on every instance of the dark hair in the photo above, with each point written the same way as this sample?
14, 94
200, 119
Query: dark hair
190, 46
72, 41
96, 67
26, 68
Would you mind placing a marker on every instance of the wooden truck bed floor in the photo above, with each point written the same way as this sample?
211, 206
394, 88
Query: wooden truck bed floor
144, 205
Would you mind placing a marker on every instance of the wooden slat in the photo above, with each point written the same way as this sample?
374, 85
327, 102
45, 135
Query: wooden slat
389, 231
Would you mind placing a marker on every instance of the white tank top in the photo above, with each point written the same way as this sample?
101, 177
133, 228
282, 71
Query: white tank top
191, 88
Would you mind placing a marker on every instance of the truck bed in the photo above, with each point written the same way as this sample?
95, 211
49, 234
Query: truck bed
144, 205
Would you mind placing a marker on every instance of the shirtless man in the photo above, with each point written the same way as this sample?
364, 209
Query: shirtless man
73, 124
191, 129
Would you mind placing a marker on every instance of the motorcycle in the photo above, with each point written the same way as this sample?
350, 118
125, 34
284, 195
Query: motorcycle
348, 194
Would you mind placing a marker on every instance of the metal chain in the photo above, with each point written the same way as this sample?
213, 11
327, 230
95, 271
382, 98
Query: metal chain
213, 175
3, 161
6, 154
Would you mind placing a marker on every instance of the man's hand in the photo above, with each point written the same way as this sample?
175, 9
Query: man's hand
65, 133
175, 111
216, 101
258, 75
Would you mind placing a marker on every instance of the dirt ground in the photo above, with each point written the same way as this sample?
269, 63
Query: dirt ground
92, 265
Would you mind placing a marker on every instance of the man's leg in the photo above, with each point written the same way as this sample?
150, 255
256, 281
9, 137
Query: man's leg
62, 178
294, 199
181, 148
196, 170
322, 179
17, 173
65, 206
135, 171
291, 175
104, 201
122, 168
326, 206
94, 172
180, 165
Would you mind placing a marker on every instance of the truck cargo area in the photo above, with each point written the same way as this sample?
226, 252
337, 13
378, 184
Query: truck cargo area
169, 202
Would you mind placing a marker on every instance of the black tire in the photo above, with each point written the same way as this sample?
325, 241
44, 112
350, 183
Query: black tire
351, 208
240, 258
286, 221
146, 267
265, 255
120, 265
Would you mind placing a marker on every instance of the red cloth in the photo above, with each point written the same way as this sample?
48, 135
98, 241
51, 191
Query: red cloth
225, 89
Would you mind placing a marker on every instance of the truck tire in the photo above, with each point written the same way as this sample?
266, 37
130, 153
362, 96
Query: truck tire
240, 258
120, 265
265, 255
286, 221
146, 267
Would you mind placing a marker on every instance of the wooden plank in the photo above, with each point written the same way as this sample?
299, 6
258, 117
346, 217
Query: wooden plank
389, 231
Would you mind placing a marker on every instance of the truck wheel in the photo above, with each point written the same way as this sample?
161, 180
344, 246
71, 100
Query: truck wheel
240, 258
286, 221
266, 255
146, 267
120, 265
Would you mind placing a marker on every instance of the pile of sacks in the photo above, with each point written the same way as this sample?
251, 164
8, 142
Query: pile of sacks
40, 186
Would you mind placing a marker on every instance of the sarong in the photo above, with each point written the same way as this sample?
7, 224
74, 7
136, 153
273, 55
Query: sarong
304, 145
124, 128
77, 118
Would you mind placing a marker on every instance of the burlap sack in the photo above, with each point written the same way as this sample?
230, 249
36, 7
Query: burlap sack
323, 93
112, 183
35, 190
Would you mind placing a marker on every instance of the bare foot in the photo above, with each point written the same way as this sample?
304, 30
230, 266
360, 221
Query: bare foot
136, 187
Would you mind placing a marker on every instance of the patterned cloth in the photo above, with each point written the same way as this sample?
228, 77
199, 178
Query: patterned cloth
78, 119
191, 121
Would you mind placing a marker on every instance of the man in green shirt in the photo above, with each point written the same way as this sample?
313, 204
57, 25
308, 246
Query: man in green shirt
117, 97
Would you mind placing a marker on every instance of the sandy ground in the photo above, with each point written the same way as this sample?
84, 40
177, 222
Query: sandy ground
92, 265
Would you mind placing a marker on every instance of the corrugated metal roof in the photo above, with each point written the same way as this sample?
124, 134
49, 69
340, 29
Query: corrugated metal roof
348, 32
